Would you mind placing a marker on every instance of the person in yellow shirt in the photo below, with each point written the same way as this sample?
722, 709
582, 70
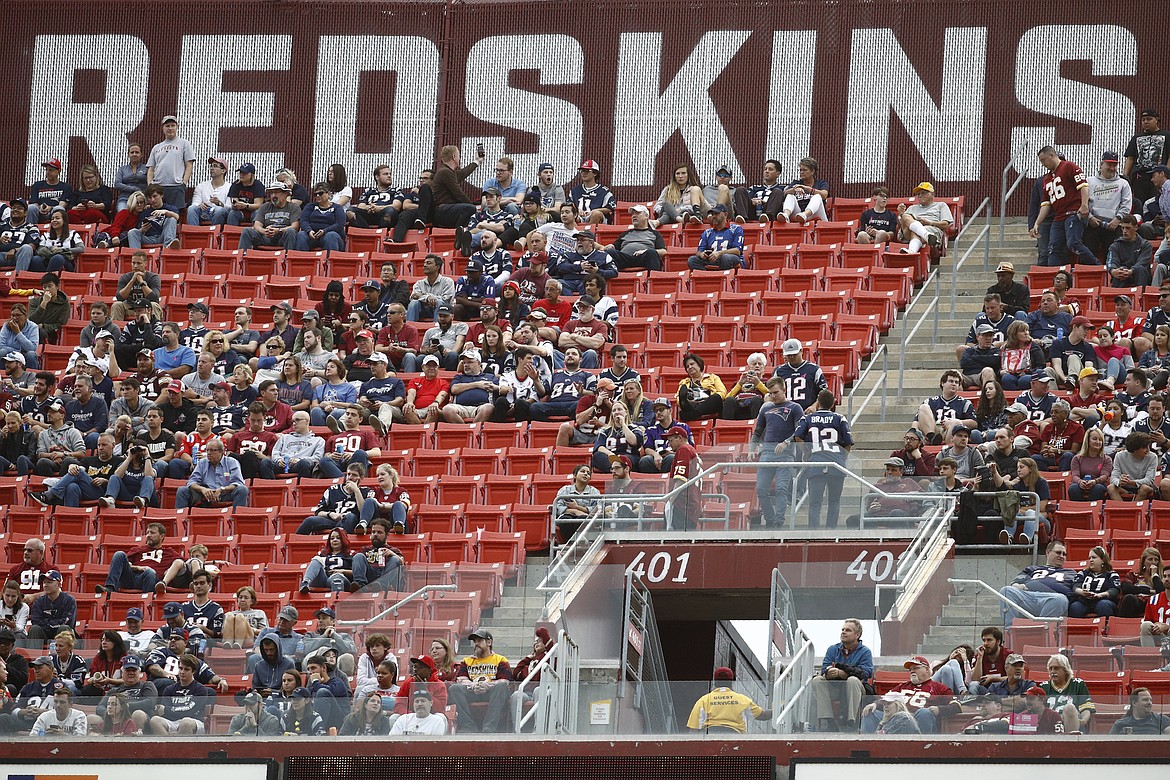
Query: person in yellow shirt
724, 710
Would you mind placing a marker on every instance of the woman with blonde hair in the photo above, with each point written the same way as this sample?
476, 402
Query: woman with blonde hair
680, 200
444, 657
92, 201
390, 500
1141, 584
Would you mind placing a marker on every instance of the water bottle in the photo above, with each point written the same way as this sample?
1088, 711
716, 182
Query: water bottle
40, 731
195, 452
286, 465
1060, 333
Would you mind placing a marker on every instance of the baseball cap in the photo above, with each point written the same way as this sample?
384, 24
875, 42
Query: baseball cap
101, 364
179, 633
200, 305
43, 660
1151, 112
489, 302
282, 305
1044, 378
923, 186
677, 430
545, 167
1079, 320
248, 697
425, 660
175, 386
894, 696
960, 429
724, 673
134, 613
1005, 267
587, 234
622, 459
302, 693
372, 284
276, 186
310, 314
916, 432
132, 662
139, 303
430, 359
1016, 408
531, 197
606, 384
420, 692
147, 352
718, 208
103, 334
1162, 169
288, 612
18, 202
984, 328
220, 386
474, 264
915, 660
170, 118
326, 611
724, 170
537, 315
363, 334
1123, 299
1014, 658
491, 191
662, 401
1035, 690
481, 633
444, 308
792, 347
1088, 371
1109, 157
378, 357
246, 168
19, 358
219, 160
55, 576
590, 165
172, 609
57, 406
53, 163
470, 351
639, 209
895, 462
586, 300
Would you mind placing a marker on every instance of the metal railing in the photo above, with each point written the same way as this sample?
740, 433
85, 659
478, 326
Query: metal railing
393, 609
1005, 192
1004, 600
645, 667
555, 695
792, 691
917, 562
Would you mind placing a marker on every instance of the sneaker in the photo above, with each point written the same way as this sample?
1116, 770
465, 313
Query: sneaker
1022, 538
903, 251
782, 217
107, 501
304, 589
102, 590
42, 497
695, 219
934, 439
160, 589
377, 424
333, 423
800, 218
103, 245
1005, 537
139, 502
739, 220
361, 528
173, 244
934, 241
420, 225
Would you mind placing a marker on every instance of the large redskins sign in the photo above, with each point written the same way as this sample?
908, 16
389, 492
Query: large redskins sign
880, 92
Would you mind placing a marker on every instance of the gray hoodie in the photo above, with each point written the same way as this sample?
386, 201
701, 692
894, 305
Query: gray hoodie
1109, 199
296, 446
66, 438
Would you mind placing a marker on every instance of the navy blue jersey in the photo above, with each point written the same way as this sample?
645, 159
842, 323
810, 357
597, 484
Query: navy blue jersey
169, 662
886, 220
1061, 348
50, 195
1133, 404
484, 288
1042, 326
13, 236
1155, 317
1145, 426
656, 437
1038, 408
589, 198
37, 694
499, 217
763, 192
209, 616
570, 385
570, 265
496, 263
376, 315
227, 418
803, 382
779, 422
185, 701
958, 408
337, 499
382, 390
74, 668
331, 562
375, 197
38, 410
827, 434
1001, 328
613, 440
193, 337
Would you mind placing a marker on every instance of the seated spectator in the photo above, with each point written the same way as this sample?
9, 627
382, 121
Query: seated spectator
1042, 591
482, 676
243, 624
1128, 260
990, 409
917, 461
431, 292
1069, 354
585, 332
846, 670
140, 568
681, 200
371, 305
1114, 356
657, 456
971, 464
640, 408
192, 446
1086, 401
895, 716
50, 310
333, 397
744, 399
19, 335
332, 312
551, 314
472, 391
57, 443
301, 718
1039, 400
425, 395
367, 718
1060, 439
518, 389
282, 633
622, 436
71, 668
877, 225
380, 563
1134, 470
574, 502
181, 710
565, 389
255, 720
939, 415
804, 198
157, 224
388, 500
19, 237
1068, 695
1135, 396
215, 479
159, 442
322, 223
329, 641
572, 267
59, 248
980, 363
1014, 682
892, 481
924, 694
140, 337
352, 444
1020, 357
274, 224
85, 478
1141, 587
210, 202
1029, 516
700, 395
425, 718
1097, 588
1091, 469
721, 245
1046, 322
253, 446
1142, 719
1156, 360
52, 612
377, 653
340, 505
14, 613
640, 247
298, 451
17, 446
592, 414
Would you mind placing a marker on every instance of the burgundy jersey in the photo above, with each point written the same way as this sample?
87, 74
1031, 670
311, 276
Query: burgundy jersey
1063, 189
352, 441
685, 466
260, 443
29, 576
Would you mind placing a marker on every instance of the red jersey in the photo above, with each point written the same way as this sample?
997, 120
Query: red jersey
29, 576
193, 438
991, 665
1077, 401
595, 328
1047, 722
279, 418
1158, 608
352, 441
1129, 328
685, 466
1032, 431
919, 696
1063, 189
438, 689
1068, 438
558, 313
600, 419
425, 390
158, 559
260, 443
407, 338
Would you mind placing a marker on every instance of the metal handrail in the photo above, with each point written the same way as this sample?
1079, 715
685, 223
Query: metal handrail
1004, 193
421, 593
1011, 604
792, 687
884, 353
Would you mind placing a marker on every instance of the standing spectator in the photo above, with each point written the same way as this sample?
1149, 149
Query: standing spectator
1146, 150
803, 378
171, 164
443, 202
684, 511
1110, 200
1067, 199
131, 175
830, 440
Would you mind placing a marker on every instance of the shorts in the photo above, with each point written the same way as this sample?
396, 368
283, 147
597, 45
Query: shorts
466, 412
579, 439
173, 725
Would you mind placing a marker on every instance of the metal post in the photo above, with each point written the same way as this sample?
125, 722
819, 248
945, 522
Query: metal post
987, 246
902, 352
1002, 200
885, 379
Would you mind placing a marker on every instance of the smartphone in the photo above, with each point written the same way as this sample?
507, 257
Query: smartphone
479, 150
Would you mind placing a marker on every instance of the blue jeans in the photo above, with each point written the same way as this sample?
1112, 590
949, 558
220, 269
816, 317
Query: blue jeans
1069, 235
70, 490
397, 512
315, 577
23, 257
1013, 382
214, 215
175, 468
417, 311
302, 468
391, 577
589, 359
137, 239
61, 261
331, 242
1037, 602
185, 497
331, 469
252, 237
123, 577
239, 217
128, 488
23, 465
317, 415
773, 503
830, 481
559, 408
316, 524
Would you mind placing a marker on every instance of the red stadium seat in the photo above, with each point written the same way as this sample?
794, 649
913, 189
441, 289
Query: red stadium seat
478, 461
450, 547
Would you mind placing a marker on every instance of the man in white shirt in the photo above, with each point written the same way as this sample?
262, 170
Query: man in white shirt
422, 720
62, 720
210, 202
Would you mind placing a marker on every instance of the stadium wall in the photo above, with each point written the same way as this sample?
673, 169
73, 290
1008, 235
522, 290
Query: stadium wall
880, 92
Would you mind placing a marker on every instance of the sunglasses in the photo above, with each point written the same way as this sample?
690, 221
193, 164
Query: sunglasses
320, 193
215, 341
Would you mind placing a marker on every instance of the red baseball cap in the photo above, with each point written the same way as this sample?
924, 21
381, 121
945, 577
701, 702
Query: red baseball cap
590, 165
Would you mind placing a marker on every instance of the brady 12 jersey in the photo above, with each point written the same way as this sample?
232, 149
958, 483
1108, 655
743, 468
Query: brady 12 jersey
227, 418
1062, 189
589, 198
1038, 408
803, 382
827, 434
958, 408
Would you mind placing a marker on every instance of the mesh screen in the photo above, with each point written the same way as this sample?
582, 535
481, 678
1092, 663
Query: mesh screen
508, 767
879, 92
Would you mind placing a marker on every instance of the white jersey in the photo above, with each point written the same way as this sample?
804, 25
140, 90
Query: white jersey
49, 724
432, 725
